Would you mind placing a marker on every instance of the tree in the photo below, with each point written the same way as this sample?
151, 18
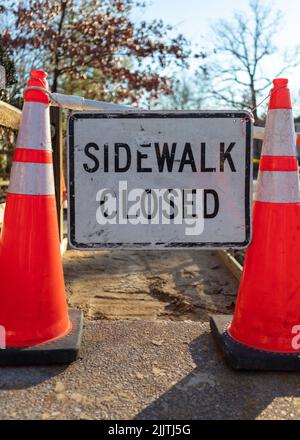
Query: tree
96, 41
189, 92
7, 62
10, 71
242, 46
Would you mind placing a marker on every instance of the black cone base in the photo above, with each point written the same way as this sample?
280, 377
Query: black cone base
242, 357
62, 351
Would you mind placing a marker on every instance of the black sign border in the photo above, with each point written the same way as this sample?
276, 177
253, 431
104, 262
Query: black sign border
154, 115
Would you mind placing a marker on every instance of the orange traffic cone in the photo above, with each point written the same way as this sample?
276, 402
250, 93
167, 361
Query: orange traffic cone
264, 333
64, 192
33, 308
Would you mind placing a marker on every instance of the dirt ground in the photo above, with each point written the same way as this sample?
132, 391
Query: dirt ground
172, 285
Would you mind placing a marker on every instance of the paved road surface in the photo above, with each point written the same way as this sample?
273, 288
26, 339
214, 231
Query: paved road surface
147, 370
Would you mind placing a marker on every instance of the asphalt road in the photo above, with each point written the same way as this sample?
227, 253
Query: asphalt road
147, 370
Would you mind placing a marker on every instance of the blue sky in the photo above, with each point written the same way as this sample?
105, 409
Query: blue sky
194, 19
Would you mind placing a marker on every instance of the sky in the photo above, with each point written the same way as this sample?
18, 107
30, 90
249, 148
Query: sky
194, 19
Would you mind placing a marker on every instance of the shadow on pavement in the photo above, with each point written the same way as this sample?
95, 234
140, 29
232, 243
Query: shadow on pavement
214, 391
18, 378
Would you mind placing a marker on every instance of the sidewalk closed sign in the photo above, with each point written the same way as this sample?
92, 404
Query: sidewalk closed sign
159, 179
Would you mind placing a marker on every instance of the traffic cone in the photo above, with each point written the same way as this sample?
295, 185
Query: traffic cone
264, 333
64, 192
33, 309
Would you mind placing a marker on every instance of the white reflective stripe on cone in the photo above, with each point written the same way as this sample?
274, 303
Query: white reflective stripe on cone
280, 136
34, 132
278, 187
31, 178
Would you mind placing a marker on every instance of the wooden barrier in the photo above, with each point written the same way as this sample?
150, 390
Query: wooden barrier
10, 116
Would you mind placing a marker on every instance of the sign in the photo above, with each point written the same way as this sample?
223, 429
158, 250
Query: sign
160, 179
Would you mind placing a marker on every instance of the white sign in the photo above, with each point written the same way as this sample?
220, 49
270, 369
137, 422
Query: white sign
160, 179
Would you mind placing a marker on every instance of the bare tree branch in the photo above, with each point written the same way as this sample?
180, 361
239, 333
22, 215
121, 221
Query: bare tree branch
242, 46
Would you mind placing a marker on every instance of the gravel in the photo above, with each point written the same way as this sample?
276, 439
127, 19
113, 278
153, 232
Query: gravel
147, 370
